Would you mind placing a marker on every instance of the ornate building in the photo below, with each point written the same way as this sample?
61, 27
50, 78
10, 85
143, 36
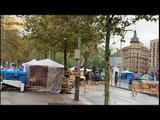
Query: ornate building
154, 56
136, 56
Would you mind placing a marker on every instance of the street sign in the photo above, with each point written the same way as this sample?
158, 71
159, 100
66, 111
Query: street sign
91, 65
77, 54
112, 61
115, 61
118, 61
14, 23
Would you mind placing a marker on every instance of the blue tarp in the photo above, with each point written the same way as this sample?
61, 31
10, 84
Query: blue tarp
139, 77
127, 75
14, 75
147, 77
3, 72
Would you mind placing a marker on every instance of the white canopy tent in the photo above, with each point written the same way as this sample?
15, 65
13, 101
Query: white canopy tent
82, 69
88, 70
30, 62
47, 73
127, 71
72, 68
27, 64
48, 62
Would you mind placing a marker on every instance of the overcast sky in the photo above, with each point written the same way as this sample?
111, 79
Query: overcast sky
146, 31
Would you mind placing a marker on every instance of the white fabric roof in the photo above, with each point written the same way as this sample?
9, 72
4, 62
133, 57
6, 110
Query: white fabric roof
126, 71
88, 70
48, 62
72, 68
82, 69
30, 62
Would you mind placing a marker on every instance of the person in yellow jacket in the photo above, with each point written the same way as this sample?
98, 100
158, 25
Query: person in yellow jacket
82, 77
72, 78
83, 81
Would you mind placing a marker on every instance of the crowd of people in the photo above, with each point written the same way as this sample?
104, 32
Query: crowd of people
84, 76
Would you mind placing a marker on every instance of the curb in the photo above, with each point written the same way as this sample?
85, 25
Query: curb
81, 101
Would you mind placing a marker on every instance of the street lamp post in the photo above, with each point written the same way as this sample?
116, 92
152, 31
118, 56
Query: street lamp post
77, 71
120, 68
77, 66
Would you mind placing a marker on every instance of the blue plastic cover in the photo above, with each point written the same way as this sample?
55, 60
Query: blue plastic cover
14, 75
127, 76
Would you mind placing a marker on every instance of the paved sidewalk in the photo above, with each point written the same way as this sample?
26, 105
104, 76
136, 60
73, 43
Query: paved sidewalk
118, 96
39, 98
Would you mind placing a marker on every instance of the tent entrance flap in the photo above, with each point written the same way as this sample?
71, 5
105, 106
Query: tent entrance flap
38, 75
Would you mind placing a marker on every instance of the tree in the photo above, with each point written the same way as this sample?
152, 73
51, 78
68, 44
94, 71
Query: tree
49, 31
43, 32
116, 25
12, 45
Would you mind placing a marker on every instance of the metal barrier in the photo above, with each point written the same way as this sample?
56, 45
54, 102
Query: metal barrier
150, 87
92, 86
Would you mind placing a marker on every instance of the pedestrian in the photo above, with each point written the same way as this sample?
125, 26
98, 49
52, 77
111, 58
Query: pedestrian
86, 75
116, 78
67, 73
130, 84
93, 76
132, 87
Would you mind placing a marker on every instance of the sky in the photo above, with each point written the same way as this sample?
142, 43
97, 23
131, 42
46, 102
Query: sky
146, 31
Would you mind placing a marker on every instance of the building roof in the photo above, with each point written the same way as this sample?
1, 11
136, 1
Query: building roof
135, 39
154, 40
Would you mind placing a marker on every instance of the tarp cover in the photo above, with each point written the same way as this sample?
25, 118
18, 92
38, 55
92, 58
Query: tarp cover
48, 74
26, 65
30, 62
12, 74
49, 63
147, 77
127, 75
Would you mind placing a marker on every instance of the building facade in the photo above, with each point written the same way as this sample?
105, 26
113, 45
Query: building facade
136, 56
154, 57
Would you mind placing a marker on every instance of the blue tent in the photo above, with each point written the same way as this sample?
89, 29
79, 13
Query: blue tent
147, 77
127, 75
139, 77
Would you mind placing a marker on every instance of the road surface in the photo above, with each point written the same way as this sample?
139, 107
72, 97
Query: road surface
118, 96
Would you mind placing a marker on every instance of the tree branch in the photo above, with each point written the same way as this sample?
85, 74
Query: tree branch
111, 17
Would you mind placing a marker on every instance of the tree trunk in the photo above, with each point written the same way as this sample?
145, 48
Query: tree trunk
54, 55
65, 55
86, 55
38, 58
45, 55
107, 54
49, 53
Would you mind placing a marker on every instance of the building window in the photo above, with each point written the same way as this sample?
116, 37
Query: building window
154, 44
